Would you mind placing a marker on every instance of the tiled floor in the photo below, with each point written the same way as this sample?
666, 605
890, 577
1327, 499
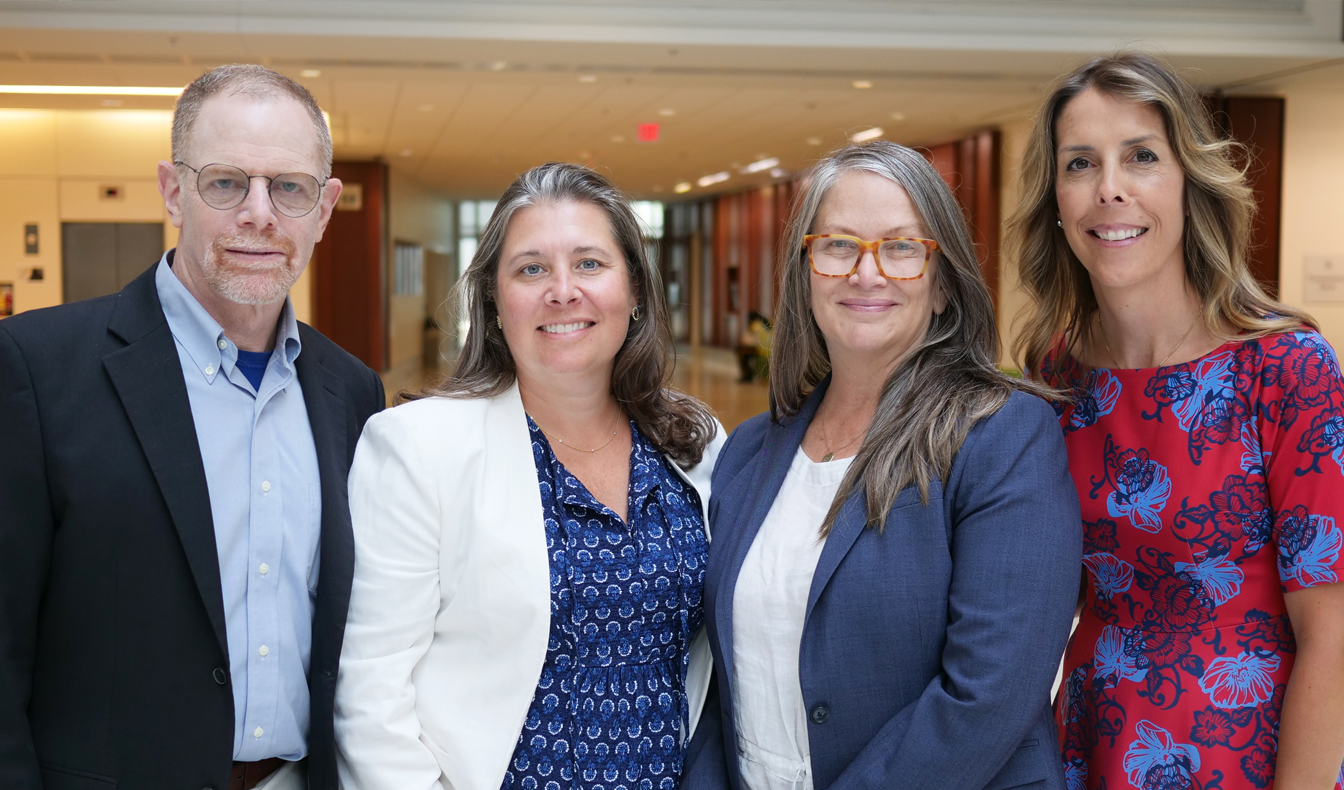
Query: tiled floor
710, 374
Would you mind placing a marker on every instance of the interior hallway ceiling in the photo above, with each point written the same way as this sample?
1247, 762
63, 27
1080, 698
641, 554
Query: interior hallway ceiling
464, 95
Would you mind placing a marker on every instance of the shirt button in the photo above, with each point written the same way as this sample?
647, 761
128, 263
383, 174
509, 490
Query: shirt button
223, 344
210, 370
266, 485
257, 733
264, 651
264, 569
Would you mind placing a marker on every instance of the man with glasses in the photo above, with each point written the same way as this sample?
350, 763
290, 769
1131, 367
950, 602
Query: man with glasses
177, 542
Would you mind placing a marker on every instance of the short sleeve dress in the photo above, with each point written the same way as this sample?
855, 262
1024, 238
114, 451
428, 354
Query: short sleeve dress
1208, 490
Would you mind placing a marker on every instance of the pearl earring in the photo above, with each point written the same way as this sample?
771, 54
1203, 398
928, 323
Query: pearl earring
1059, 222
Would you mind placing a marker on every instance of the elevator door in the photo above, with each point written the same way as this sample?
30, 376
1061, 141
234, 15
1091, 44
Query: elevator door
100, 258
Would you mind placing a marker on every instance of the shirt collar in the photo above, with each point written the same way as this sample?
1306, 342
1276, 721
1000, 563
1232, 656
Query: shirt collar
202, 336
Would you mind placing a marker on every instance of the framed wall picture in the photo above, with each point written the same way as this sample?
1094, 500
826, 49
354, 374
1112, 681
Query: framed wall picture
6, 299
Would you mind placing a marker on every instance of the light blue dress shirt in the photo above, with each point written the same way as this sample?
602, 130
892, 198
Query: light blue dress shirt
261, 469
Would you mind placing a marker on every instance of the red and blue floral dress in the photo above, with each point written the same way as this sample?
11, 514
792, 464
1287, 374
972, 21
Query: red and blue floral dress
1208, 490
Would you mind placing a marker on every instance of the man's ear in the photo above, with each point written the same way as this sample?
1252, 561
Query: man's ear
170, 186
330, 194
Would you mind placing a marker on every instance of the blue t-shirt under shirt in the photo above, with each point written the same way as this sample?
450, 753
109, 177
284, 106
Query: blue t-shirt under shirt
253, 365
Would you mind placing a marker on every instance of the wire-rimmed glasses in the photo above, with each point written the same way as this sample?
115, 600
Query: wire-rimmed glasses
224, 187
898, 258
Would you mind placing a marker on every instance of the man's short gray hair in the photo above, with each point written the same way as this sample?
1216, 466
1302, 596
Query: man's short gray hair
249, 80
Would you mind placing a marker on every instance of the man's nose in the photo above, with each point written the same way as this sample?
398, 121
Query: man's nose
257, 208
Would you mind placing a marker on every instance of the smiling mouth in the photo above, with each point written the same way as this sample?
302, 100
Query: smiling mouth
1118, 235
562, 329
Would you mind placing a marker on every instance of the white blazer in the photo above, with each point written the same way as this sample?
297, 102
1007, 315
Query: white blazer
450, 611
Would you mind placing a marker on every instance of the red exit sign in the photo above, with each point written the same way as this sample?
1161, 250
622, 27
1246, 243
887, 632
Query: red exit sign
647, 133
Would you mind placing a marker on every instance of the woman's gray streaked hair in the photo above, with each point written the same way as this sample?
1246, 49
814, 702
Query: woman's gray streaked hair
674, 422
946, 383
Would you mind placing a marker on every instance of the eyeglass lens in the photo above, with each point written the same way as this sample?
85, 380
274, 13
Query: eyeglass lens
837, 255
225, 186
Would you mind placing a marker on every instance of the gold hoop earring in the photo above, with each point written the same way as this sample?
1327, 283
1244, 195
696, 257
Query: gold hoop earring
635, 314
498, 323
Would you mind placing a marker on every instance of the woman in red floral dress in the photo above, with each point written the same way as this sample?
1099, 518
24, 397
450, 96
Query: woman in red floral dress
1205, 431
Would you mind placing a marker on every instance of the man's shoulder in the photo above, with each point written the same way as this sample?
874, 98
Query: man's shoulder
67, 325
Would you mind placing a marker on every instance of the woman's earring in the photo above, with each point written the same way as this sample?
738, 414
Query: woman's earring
635, 314
498, 323
1059, 222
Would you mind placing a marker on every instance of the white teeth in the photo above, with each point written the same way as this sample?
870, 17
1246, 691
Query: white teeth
1117, 235
560, 329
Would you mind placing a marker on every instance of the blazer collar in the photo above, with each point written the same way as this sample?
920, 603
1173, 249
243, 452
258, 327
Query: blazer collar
147, 375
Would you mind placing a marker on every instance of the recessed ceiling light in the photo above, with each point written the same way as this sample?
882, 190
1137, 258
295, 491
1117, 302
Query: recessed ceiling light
813, 141
587, 78
714, 178
426, 107
761, 164
898, 116
684, 186
89, 90
618, 138
867, 134
406, 152
498, 65
778, 172
310, 73
863, 84
657, 188
667, 111
112, 102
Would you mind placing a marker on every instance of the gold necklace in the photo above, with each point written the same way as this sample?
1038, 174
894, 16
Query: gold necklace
825, 437
1161, 364
550, 435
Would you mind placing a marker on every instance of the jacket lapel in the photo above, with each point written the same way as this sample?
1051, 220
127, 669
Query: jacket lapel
324, 398
147, 374
761, 481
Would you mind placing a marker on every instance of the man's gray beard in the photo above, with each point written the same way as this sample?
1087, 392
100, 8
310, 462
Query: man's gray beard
253, 287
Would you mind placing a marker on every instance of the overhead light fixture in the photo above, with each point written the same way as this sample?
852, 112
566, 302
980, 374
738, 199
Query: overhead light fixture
618, 138
310, 73
867, 134
898, 116
89, 90
667, 112
778, 172
587, 78
863, 84
814, 141
499, 65
683, 187
407, 152
761, 164
714, 178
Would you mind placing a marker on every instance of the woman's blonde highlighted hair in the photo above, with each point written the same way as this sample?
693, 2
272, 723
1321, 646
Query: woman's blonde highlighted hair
1217, 231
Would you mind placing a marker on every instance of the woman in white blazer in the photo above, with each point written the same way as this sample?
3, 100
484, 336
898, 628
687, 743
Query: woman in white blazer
530, 536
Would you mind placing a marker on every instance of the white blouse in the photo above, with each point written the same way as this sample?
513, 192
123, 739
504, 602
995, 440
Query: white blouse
769, 606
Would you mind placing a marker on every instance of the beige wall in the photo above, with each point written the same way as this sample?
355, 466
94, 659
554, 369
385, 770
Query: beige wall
417, 215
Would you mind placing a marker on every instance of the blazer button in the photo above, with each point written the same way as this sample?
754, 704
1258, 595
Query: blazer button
820, 715
221, 677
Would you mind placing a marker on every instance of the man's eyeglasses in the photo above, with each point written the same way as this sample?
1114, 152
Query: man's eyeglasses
899, 258
225, 187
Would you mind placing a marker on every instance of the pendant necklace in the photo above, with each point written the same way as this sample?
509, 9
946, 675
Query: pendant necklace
828, 457
550, 435
1161, 364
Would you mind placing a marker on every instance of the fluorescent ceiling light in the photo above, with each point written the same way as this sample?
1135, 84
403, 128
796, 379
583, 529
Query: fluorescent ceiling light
89, 90
684, 186
863, 84
762, 164
716, 178
866, 135
310, 73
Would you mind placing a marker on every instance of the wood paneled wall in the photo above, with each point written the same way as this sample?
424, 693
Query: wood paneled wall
349, 279
971, 167
1257, 123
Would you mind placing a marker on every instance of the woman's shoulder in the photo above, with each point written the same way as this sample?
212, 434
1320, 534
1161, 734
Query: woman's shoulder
434, 421
1023, 419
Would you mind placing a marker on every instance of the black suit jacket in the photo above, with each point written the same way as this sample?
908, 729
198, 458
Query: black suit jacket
113, 658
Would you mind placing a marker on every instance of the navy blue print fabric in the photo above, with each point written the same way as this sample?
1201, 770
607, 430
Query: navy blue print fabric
610, 707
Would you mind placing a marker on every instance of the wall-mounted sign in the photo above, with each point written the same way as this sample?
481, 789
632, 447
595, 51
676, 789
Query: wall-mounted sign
30, 239
352, 198
1324, 281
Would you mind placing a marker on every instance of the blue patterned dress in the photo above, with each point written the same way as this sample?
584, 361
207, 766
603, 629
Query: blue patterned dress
610, 707
1209, 489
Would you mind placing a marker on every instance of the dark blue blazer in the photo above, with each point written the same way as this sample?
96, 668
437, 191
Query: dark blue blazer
930, 647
